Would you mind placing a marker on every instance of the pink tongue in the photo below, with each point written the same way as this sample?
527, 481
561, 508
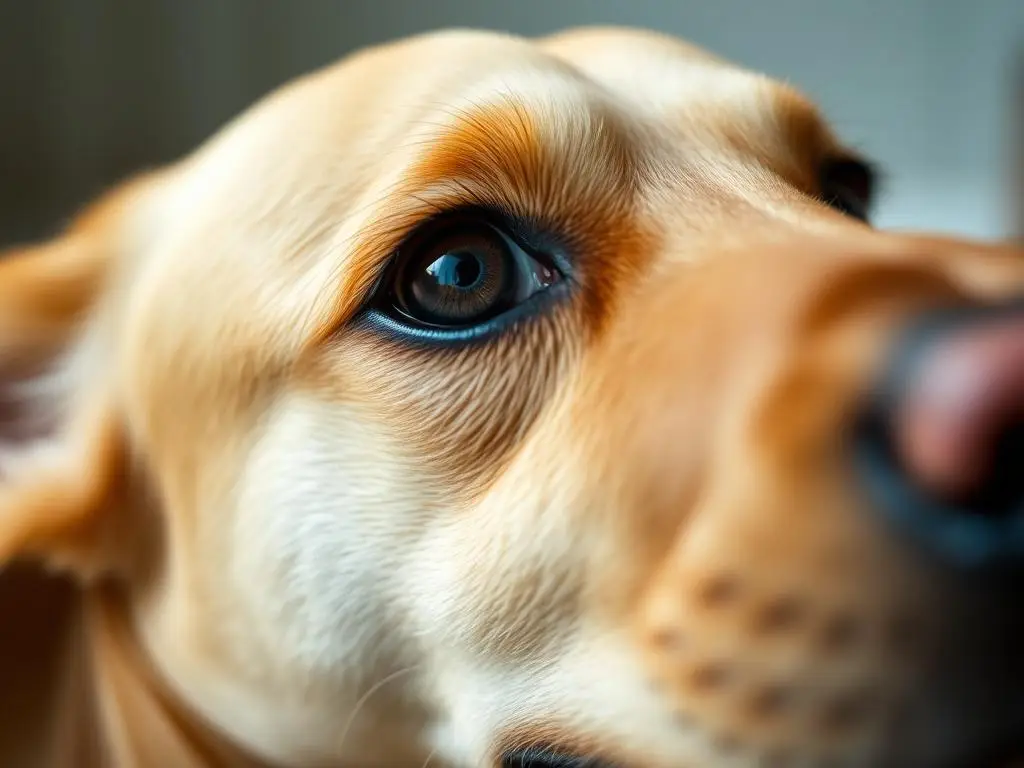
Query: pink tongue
966, 392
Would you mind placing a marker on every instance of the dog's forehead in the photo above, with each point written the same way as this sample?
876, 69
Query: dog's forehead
320, 148
351, 117
328, 148
647, 67
281, 218
702, 103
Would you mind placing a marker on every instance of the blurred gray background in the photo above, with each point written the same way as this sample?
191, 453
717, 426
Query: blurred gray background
91, 90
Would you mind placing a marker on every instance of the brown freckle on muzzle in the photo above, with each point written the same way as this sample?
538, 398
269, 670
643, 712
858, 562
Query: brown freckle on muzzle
779, 615
768, 701
718, 591
840, 632
710, 676
668, 639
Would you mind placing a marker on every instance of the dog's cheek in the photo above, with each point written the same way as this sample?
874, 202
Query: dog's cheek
503, 577
462, 411
328, 512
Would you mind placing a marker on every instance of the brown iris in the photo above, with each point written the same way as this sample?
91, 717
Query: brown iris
465, 273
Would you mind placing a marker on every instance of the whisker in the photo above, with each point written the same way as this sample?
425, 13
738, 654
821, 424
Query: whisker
366, 697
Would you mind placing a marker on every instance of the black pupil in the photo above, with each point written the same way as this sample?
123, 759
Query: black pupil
459, 269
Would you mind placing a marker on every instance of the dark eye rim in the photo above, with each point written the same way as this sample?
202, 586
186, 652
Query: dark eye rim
848, 184
381, 313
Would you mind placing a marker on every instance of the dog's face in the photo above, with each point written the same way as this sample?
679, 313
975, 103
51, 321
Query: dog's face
483, 397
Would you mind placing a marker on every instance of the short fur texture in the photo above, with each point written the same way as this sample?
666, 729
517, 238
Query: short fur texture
624, 527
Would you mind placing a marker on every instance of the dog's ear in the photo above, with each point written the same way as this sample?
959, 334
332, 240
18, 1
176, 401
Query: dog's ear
62, 448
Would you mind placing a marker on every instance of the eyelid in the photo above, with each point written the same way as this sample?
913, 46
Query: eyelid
515, 229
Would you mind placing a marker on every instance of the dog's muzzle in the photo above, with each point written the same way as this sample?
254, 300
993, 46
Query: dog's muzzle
941, 453
943, 446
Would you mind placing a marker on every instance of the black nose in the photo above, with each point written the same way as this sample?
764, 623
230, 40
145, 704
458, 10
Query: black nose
942, 445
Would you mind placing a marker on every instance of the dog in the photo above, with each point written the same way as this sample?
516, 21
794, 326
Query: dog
484, 401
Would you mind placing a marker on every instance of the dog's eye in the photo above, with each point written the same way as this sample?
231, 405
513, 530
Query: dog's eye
848, 186
464, 273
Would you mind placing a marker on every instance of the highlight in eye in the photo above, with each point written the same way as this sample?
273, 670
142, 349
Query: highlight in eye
463, 271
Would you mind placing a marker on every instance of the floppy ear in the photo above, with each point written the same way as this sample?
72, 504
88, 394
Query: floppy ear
62, 455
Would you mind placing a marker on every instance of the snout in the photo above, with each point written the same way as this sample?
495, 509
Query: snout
943, 449
942, 456
846, 574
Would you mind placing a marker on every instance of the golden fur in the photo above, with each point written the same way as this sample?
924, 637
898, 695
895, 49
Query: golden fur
623, 527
